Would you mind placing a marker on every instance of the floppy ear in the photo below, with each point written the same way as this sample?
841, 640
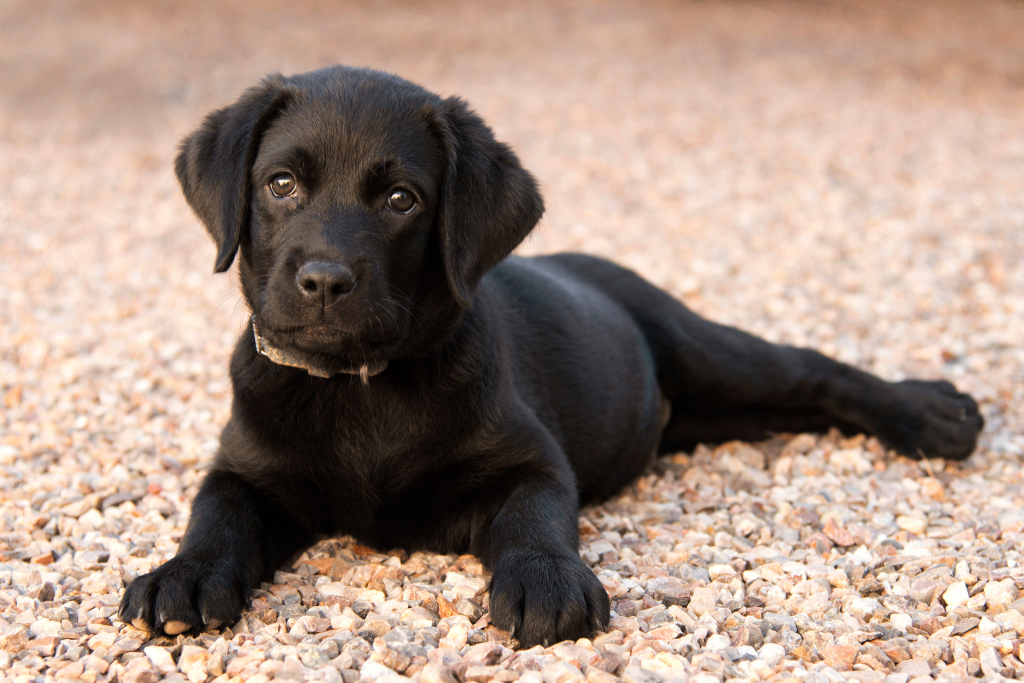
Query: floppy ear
214, 163
489, 203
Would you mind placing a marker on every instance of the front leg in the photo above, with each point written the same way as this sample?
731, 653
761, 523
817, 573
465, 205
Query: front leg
541, 591
235, 537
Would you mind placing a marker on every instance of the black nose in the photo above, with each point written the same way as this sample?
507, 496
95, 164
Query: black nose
325, 280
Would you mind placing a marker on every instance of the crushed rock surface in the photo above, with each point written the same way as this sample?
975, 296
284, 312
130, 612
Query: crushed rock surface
848, 176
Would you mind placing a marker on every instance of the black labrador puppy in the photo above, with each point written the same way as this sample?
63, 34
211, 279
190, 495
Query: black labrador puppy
407, 382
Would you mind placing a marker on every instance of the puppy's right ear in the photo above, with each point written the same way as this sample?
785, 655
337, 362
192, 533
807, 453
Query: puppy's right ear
215, 162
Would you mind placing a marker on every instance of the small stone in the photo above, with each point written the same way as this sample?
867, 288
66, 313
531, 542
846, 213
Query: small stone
374, 629
923, 590
839, 657
914, 668
44, 627
872, 657
818, 640
934, 650
312, 657
469, 609
445, 608
267, 616
124, 645
116, 499
79, 507
771, 654
161, 659
561, 672
965, 625
141, 672
901, 622
670, 591
989, 627
607, 661
864, 607
484, 653
897, 649
721, 571
91, 559
977, 602
320, 566
73, 672
837, 534
191, 656
104, 639
1001, 593
361, 608
239, 666
436, 673
45, 646
933, 488
44, 593
479, 673
748, 636
837, 578
1011, 619
956, 594
373, 669
326, 674
417, 617
669, 632
914, 525
992, 663
313, 624
14, 639
636, 674
577, 655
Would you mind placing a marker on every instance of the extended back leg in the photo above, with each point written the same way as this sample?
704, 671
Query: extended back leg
722, 380
726, 384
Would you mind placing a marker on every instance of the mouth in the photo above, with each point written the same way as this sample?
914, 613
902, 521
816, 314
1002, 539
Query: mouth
317, 363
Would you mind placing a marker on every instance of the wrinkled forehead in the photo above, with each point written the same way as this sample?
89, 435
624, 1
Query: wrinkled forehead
342, 125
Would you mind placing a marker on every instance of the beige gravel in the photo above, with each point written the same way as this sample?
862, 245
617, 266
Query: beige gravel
843, 175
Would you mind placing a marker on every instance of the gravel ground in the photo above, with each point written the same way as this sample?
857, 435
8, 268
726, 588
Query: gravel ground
843, 175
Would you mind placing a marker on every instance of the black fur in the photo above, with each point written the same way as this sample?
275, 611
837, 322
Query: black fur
512, 390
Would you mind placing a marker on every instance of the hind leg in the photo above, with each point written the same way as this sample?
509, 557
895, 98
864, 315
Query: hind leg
726, 384
693, 427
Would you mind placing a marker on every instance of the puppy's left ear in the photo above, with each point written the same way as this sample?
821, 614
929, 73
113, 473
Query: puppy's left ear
215, 161
489, 202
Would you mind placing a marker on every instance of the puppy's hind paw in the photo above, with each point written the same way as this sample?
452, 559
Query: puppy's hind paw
932, 420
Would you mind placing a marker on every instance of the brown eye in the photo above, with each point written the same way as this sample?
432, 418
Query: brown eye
401, 201
282, 185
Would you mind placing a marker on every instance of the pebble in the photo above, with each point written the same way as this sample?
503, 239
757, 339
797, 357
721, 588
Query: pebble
955, 595
1002, 593
901, 622
772, 654
161, 659
912, 524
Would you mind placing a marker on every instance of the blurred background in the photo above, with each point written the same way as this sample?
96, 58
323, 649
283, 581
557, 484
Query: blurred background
847, 175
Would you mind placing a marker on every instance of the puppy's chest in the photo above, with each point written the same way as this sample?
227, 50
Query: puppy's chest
345, 459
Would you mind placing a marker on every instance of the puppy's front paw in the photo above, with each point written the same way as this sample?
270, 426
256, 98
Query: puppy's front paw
185, 594
543, 599
932, 420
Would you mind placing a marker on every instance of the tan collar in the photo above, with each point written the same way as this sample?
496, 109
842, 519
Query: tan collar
281, 357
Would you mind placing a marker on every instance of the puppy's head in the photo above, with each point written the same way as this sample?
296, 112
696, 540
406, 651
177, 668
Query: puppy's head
364, 208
